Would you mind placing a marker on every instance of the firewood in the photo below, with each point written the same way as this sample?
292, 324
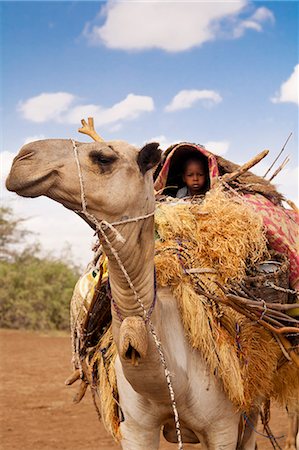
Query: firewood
73, 377
81, 392
228, 177
279, 169
292, 205
279, 154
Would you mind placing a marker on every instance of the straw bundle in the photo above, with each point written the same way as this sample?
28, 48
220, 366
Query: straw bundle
221, 233
102, 365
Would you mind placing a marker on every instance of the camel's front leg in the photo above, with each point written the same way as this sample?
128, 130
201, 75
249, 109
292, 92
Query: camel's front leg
141, 427
223, 435
292, 432
135, 437
248, 441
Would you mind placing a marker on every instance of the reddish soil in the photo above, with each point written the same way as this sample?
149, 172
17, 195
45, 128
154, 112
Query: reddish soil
37, 412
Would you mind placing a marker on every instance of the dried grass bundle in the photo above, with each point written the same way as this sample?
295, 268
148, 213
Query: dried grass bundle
222, 233
104, 365
286, 385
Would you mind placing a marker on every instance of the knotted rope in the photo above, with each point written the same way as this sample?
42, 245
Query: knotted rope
101, 227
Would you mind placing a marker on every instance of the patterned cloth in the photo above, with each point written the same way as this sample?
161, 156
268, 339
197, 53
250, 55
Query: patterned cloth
282, 225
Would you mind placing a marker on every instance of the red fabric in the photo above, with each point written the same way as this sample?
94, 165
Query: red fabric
282, 227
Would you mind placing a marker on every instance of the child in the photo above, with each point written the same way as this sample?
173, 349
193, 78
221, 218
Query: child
195, 177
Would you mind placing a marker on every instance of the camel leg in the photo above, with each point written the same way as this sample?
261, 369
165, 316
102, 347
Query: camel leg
141, 427
135, 437
249, 437
224, 437
292, 432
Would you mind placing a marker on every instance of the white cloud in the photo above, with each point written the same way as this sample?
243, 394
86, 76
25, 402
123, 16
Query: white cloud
43, 216
46, 106
217, 147
164, 142
187, 98
288, 92
58, 107
261, 14
170, 26
287, 183
129, 108
254, 22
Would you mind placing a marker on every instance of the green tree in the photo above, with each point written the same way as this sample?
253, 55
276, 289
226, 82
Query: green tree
11, 233
35, 291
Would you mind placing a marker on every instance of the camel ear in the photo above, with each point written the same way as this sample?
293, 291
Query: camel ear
148, 157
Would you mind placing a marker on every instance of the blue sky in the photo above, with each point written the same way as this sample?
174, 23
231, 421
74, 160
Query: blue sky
220, 73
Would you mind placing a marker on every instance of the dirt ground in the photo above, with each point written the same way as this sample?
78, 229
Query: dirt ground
37, 412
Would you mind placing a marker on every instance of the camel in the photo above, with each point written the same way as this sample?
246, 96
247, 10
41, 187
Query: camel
292, 440
116, 186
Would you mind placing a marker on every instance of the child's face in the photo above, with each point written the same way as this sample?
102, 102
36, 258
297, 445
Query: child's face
194, 177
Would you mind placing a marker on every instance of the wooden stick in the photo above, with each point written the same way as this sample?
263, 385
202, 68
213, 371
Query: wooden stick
252, 300
250, 314
88, 128
81, 392
201, 270
278, 332
72, 378
284, 351
259, 306
288, 346
283, 147
242, 169
279, 169
292, 205
280, 307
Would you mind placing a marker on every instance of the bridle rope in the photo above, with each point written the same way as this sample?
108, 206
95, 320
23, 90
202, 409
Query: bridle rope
101, 227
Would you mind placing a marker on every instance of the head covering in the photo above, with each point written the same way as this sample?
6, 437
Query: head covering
171, 172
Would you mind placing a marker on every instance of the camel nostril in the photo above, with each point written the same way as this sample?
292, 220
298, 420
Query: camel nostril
24, 155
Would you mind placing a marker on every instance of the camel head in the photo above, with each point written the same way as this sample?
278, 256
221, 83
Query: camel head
117, 176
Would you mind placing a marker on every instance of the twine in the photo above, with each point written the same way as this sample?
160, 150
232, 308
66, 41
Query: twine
101, 226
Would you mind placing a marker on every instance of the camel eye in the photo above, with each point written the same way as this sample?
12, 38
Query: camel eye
102, 159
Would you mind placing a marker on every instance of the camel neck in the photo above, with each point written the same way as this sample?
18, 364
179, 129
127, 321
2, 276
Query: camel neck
136, 257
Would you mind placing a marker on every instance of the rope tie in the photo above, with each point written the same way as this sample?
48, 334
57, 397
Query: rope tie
101, 227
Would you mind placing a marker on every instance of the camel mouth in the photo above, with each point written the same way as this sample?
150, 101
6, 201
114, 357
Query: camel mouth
133, 341
132, 355
30, 188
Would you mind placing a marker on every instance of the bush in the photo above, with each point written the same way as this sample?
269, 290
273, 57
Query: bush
35, 292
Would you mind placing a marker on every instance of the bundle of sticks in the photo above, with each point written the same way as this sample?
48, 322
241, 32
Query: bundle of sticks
272, 316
